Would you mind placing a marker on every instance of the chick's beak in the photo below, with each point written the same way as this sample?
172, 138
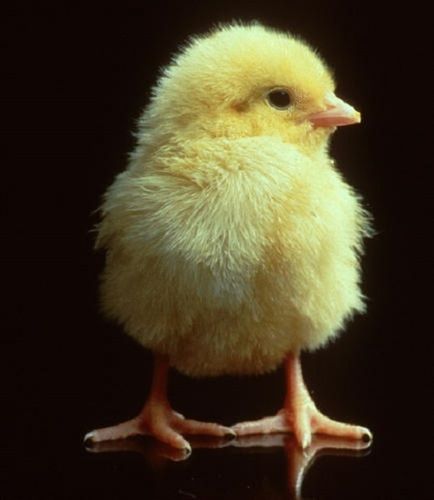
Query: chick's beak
337, 113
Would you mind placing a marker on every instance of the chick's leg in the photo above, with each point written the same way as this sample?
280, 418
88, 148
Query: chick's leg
300, 415
158, 419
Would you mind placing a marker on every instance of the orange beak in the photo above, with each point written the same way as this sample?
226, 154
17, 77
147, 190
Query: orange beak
338, 113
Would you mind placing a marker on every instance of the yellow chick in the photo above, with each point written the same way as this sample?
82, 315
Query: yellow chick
232, 240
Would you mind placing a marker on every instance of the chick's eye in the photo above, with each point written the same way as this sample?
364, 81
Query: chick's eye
279, 98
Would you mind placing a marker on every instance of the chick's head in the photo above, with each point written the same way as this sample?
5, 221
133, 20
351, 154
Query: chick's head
244, 81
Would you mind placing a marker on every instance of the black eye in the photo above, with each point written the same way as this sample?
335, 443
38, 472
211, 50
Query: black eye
279, 98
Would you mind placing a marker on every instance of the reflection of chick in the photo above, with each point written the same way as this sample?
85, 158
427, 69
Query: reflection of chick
231, 239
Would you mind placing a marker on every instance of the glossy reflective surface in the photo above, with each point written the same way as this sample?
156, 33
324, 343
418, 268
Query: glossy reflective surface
47, 459
254, 467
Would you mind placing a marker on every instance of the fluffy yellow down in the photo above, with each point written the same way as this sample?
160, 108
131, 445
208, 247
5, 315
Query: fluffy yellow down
231, 238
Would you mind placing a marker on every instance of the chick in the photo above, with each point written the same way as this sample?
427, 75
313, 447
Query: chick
232, 241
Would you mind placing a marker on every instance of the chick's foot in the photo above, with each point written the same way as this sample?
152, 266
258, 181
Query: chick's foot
300, 415
267, 425
162, 423
158, 419
303, 421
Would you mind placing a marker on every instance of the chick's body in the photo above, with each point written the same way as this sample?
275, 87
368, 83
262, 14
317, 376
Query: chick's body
232, 241
227, 254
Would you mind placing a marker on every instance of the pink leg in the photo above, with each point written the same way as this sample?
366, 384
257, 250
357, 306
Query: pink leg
158, 419
300, 415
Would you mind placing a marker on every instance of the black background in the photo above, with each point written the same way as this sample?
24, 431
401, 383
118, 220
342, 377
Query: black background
76, 81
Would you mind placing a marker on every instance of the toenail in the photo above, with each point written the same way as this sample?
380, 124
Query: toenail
230, 434
88, 438
366, 438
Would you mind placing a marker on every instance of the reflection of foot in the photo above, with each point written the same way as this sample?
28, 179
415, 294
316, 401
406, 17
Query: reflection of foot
299, 461
161, 422
300, 415
155, 452
321, 445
